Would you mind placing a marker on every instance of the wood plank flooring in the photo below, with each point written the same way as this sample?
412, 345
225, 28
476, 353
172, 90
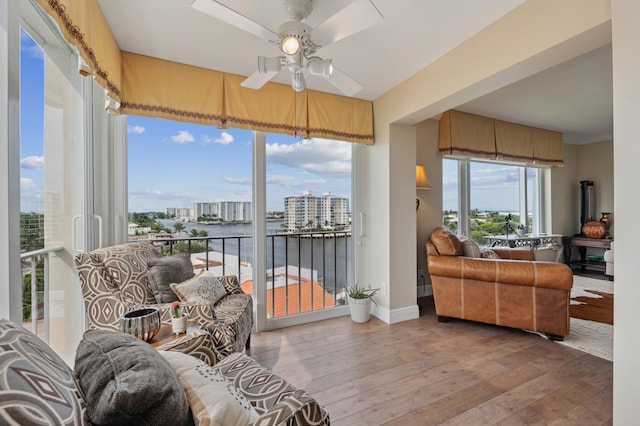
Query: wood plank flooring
422, 372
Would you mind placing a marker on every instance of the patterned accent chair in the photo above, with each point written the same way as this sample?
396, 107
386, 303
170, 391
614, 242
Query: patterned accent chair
114, 281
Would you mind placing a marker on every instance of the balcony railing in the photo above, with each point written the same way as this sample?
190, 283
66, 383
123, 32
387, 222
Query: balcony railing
35, 265
306, 271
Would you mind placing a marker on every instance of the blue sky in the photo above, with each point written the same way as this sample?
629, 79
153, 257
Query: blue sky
174, 164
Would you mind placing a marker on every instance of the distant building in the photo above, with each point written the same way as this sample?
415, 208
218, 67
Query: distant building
226, 211
307, 211
180, 213
135, 229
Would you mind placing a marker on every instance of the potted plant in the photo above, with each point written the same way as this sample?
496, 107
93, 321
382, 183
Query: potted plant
360, 299
178, 321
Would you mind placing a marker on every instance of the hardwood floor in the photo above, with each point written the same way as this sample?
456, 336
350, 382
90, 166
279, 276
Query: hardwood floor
422, 372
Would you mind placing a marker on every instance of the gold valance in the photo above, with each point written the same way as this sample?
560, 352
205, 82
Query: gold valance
83, 25
151, 87
338, 117
274, 108
467, 135
481, 137
158, 88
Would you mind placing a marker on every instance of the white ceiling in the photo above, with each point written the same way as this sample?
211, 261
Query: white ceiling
574, 97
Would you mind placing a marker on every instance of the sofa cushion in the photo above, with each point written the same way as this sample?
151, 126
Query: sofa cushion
470, 248
446, 242
214, 400
35, 383
487, 253
204, 287
164, 271
126, 381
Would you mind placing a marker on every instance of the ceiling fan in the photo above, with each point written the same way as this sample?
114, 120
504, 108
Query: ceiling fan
299, 42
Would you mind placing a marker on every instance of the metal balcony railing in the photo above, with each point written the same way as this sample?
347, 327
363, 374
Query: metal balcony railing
35, 304
306, 271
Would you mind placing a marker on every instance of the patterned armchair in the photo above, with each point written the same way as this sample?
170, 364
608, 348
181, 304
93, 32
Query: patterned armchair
114, 281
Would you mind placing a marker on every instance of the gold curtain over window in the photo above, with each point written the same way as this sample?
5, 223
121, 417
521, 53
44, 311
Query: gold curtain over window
547, 147
513, 142
481, 137
339, 117
274, 108
83, 25
468, 135
158, 88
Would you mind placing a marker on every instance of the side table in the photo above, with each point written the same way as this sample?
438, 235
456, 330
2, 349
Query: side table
166, 335
583, 243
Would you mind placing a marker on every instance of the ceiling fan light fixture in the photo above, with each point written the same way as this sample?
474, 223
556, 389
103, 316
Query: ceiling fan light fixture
321, 67
268, 65
290, 45
297, 81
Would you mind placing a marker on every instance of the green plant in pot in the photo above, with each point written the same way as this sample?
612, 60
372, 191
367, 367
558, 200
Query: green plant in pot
360, 299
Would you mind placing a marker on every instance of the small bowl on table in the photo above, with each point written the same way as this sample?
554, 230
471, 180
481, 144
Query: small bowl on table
141, 323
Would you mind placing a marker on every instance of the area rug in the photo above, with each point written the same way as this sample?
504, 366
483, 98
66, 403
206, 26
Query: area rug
592, 299
591, 317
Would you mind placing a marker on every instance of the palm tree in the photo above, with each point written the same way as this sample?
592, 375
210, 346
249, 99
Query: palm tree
203, 233
179, 227
194, 232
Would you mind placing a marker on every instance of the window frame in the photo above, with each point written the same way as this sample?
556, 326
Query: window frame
541, 194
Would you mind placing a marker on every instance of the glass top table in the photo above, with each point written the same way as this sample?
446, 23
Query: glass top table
531, 241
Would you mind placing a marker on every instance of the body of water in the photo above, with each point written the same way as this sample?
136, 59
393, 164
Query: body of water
329, 257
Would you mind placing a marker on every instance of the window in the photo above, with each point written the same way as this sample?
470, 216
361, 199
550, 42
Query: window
195, 181
482, 198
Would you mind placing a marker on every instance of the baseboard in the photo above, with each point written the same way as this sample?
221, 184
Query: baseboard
396, 315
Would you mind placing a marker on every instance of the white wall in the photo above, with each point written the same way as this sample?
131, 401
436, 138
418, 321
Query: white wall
429, 214
626, 92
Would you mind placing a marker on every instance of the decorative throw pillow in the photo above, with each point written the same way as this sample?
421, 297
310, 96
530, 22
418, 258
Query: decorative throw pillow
489, 254
127, 382
470, 248
166, 270
35, 383
204, 287
446, 242
213, 398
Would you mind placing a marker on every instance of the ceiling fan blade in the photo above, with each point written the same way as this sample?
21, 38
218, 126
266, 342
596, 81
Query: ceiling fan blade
344, 83
257, 79
357, 16
230, 16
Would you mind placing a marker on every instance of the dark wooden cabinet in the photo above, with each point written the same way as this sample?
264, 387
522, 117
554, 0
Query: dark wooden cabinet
582, 243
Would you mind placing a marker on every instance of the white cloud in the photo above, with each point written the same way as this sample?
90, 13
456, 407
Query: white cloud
183, 136
136, 129
27, 185
224, 139
316, 156
33, 162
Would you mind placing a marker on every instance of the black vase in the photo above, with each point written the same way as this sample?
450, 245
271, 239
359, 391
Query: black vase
587, 202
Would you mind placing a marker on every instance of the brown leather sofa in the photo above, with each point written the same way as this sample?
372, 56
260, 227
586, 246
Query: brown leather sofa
513, 291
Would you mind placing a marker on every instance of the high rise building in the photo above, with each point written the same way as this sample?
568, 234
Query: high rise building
226, 211
307, 211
